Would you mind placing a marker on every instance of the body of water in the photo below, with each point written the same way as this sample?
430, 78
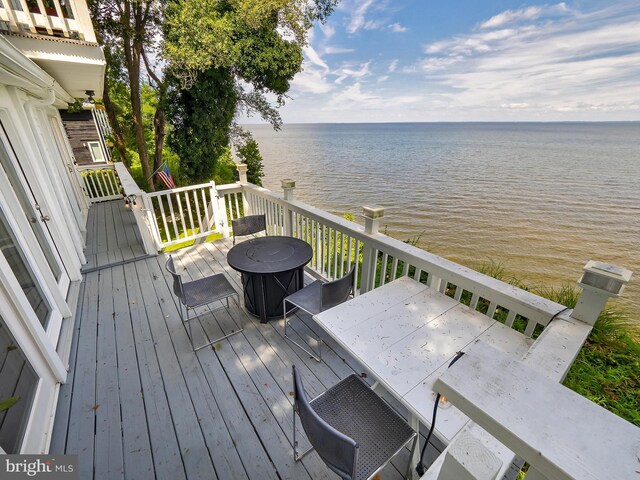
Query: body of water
540, 198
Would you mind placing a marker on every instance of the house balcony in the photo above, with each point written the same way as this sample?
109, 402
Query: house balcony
59, 38
140, 403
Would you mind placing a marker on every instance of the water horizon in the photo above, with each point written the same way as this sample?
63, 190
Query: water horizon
540, 198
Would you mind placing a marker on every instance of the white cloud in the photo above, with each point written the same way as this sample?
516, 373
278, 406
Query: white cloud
373, 25
357, 20
333, 50
328, 30
314, 58
547, 64
524, 14
350, 71
396, 27
311, 81
586, 62
508, 16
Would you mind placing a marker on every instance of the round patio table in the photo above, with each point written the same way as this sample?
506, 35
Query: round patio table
272, 268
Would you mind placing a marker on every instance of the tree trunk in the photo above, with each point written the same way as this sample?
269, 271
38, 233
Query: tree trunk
133, 68
118, 137
158, 127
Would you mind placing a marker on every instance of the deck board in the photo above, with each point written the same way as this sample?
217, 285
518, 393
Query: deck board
112, 235
140, 403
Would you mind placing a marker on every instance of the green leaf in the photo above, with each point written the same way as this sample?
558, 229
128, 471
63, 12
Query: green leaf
8, 403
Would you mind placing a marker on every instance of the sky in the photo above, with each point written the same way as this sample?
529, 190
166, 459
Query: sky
470, 60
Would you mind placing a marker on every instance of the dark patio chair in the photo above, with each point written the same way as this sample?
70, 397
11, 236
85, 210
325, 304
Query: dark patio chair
248, 225
318, 297
198, 293
354, 431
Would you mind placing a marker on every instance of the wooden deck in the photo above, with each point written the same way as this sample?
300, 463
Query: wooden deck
112, 235
139, 403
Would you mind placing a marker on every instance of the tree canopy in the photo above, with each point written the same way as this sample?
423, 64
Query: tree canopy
208, 62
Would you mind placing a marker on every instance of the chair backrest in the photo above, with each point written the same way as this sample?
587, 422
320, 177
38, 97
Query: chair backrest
177, 281
249, 224
337, 291
338, 451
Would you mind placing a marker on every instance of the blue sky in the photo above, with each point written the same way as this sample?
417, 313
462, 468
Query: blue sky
471, 60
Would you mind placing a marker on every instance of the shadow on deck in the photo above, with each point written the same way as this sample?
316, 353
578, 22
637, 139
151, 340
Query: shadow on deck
139, 403
112, 236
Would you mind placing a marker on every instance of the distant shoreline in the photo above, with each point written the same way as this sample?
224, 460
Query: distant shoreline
493, 122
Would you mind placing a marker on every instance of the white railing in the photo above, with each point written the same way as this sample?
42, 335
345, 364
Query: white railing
49, 17
187, 213
100, 182
136, 201
338, 243
104, 130
181, 215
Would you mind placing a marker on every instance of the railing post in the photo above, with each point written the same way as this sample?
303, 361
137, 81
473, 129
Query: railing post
599, 282
219, 210
372, 216
288, 186
145, 217
242, 172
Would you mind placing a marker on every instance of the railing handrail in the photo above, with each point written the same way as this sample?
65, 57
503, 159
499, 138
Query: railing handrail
99, 166
179, 189
532, 306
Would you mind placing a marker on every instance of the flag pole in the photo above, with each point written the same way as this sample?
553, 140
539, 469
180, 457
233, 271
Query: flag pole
157, 170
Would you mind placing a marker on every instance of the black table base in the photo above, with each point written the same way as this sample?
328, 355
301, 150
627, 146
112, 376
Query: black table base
264, 293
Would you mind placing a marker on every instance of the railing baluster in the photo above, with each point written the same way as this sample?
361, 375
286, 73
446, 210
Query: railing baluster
474, 301
164, 217
356, 291
173, 215
335, 253
198, 214
188, 205
417, 274
235, 196
531, 326
383, 269
394, 269
458, 293
182, 221
405, 268
205, 206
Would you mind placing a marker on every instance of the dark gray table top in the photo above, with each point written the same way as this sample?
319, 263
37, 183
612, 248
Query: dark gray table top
273, 254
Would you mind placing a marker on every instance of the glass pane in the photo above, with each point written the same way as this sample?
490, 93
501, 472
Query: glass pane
15, 257
27, 208
18, 382
96, 153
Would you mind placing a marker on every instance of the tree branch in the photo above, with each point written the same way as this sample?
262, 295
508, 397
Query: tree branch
150, 71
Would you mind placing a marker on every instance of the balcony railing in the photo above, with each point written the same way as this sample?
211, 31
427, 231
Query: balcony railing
100, 182
173, 217
61, 18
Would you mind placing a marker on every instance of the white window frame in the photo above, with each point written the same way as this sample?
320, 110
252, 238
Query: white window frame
93, 157
23, 324
21, 135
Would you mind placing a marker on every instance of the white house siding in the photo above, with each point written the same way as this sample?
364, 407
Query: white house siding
44, 209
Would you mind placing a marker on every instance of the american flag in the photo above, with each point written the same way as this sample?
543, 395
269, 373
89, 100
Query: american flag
166, 178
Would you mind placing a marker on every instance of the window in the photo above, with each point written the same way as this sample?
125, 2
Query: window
17, 262
96, 151
18, 382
